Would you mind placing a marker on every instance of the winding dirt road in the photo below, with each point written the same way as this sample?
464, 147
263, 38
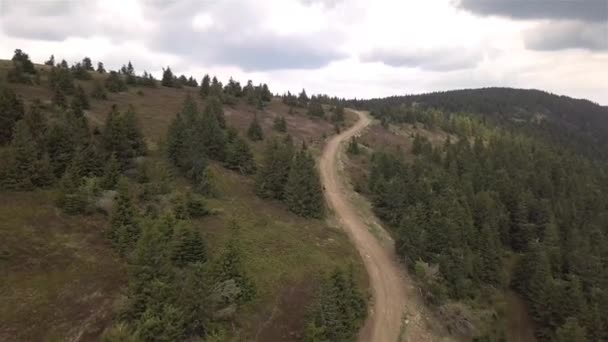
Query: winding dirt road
388, 292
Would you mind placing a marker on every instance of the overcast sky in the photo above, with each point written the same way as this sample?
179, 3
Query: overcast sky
350, 48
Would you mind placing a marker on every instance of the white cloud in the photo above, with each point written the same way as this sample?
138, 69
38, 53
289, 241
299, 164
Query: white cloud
344, 47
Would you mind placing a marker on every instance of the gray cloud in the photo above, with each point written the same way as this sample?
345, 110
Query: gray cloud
565, 35
236, 37
446, 59
584, 10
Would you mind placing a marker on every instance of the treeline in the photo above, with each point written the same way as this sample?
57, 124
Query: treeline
573, 123
464, 211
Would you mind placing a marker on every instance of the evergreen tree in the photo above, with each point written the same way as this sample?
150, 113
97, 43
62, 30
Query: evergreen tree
338, 116
23, 171
571, 331
61, 146
168, 78
229, 267
303, 193
61, 79
72, 199
50, 61
273, 176
59, 99
187, 246
111, 173
125, 230
239, 156
254, 132
205, 86
280, 125
214, 141
338, 312
303, 99
115, 83
100, 68
11, 111
87, 64
81, 97
315, 108
353, 147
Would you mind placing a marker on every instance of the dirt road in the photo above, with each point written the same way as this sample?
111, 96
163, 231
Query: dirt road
385, 317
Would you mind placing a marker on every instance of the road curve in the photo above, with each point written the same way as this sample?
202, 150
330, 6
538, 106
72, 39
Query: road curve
388, 295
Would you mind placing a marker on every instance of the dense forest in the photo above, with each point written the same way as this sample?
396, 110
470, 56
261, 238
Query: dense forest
496, 208
175, 290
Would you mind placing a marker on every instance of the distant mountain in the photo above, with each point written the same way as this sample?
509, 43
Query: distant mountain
580, 121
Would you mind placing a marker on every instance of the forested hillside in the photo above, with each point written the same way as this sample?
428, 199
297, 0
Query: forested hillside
141, 210
482, 202
576, 123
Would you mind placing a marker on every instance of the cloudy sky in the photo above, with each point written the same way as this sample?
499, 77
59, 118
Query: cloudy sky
349, 48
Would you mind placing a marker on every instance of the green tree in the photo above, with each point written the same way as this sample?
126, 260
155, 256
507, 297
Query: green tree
254, 132
279, 124
168, 78
125, 229
50, 61
115, 83
303, 192
11, 111
353, 147
315, 108
205, 86
239, 156
111, 173
274, 173
100, 68
570, 331
187, 246
303, 99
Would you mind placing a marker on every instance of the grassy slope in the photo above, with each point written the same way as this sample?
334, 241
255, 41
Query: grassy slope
399, 139
62, 275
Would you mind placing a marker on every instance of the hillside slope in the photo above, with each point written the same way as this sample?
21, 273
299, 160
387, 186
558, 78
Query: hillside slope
64, 280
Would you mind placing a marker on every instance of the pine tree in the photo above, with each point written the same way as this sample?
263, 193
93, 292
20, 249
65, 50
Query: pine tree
168, 78
59, 99
11, 111
303, 192
214, 106
111, 173
187, 246
214, 141
100, 68
229, 267
303, 99
338, 116
22, 173
315, 108
125, 230
61, 146
205, 86
115, 83
254, 132
50, 61
239, 156
273, 176
71, 199
353, 147
280, 125
570, 331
